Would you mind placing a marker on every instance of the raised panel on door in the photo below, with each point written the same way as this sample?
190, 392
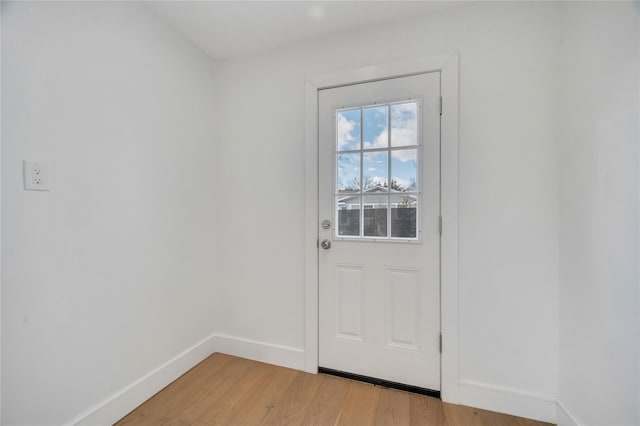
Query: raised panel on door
402, 313
349, 303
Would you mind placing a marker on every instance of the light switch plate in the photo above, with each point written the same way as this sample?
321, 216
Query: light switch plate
36, 175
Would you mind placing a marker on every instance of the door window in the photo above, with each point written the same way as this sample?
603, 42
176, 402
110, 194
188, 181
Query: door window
377, 164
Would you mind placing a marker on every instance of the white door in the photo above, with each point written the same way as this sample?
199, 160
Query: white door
379, 261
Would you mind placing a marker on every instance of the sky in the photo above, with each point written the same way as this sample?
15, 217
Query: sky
372, 132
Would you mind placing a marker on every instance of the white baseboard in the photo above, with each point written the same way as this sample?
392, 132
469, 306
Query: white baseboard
508, 400
116, 406
480, 395
565, 417
284, 356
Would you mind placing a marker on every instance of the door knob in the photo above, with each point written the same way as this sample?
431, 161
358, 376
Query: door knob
325, 244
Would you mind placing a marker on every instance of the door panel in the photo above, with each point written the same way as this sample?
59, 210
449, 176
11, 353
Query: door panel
402, 313
349, 303
379, 186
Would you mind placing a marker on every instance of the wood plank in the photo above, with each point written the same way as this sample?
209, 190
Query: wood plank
202, 398
461, 415
157, 408
175, 422
327, 401
393, 408
227, 390
295, 402
491, 418
262, 400
425, 410
359, 407
529, 422
238, 396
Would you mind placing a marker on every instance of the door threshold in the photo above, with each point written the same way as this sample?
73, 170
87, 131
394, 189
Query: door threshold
380, 382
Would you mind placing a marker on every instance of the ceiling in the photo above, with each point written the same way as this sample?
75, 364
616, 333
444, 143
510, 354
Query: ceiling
225, 29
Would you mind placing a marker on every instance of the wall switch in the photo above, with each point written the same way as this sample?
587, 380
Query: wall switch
36, 175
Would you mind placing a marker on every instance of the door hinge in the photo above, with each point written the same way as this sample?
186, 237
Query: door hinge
440, 105
441, 343
440, 225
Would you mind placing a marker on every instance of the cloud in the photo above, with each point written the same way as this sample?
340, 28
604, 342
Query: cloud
376, 122
380, 141
408, 108
403, 137
404, 124
404, 155
403, 132
345, 130
402, 182
376, 180
404, 127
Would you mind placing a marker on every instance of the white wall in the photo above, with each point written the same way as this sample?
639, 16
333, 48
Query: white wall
128, 260
508, 186
108, 275
599, 310
0, 215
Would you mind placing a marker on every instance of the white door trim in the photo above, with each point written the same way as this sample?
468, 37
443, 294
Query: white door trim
447, 64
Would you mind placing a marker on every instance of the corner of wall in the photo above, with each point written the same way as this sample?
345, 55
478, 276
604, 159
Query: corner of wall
117, 405
512, 401
114, 407
284, 356
564, 417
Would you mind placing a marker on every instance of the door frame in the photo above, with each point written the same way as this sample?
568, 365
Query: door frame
447, 65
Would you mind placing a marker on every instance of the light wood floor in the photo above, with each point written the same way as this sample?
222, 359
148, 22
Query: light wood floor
226, 390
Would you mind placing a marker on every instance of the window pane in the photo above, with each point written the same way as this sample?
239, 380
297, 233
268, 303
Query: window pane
403, 216
348, 173
348, 127
376, 171
404, 124
376, 127
404, 170
348, 212
375, 215
382, 141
